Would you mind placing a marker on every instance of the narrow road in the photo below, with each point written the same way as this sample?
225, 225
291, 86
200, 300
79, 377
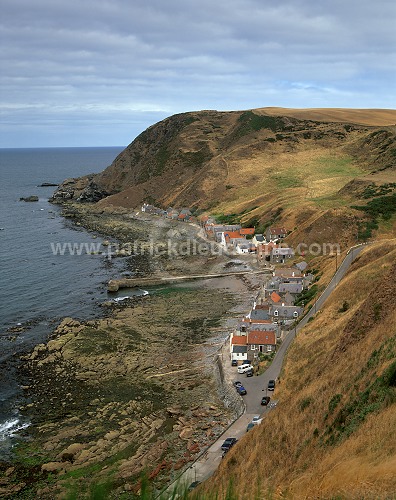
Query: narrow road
256, 387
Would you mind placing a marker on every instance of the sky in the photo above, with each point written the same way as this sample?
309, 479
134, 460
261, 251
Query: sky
99, 72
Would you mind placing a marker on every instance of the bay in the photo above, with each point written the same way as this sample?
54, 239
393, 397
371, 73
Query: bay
38, 286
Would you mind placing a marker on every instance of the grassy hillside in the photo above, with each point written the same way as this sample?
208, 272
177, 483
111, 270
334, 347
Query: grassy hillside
267, 165
332, 434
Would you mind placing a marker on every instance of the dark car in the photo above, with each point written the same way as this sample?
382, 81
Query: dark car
247, 362
193, 485
265, 400
250, 426
234, 362
228, 443
271, 385
250, 373
237, 384
241, 390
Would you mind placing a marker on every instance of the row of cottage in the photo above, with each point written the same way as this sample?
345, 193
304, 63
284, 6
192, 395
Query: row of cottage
234, 237
243, 240
273, 310
183, 215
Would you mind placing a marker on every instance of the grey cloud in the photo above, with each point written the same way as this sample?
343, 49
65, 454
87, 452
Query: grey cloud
96, 60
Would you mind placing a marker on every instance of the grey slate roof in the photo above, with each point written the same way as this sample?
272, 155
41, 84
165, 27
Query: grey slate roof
239, 349
291, 287
259, 314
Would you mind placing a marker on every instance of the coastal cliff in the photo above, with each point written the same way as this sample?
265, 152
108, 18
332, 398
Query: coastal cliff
204, 158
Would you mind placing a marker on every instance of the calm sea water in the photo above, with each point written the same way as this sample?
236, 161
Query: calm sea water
38, 287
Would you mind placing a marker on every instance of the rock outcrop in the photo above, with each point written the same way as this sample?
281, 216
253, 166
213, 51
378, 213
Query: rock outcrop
29, 198
82, 189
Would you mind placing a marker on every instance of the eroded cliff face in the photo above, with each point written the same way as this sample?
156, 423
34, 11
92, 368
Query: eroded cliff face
197, 158
81, 189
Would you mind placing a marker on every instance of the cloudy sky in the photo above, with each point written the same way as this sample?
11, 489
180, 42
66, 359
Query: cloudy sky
98, 72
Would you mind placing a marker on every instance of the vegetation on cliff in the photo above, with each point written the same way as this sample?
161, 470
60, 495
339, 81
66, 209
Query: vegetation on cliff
331, 435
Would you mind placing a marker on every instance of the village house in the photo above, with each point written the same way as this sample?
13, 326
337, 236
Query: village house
258, 239
301, 266
293, 287
275, 233
228, 238
146, 207
284, 314
264, 249
288, 299
287, 272
238, 348
171, 213
258, 315
260, 341
218, 230
247, 231
244, 246
281, 254
264, 327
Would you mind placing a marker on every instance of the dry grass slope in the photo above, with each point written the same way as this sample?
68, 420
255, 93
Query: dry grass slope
302, 161
332, 435
372, 117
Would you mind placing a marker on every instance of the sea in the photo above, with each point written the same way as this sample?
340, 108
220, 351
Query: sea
38, 285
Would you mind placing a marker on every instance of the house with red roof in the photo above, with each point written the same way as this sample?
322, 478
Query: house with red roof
264, 249
275, 297
275, 233
260, 341
238, 347
228, 237
245, 231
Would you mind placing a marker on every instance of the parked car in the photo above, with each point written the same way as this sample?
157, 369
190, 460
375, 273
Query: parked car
237, 384
241, 390
247, 362
265, 400
249, 426
228, 443
271, 385
234, 362
256, 420
193, 485
244, 368
250, 373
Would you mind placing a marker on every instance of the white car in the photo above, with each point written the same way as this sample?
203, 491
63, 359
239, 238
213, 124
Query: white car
244, 368
256, 420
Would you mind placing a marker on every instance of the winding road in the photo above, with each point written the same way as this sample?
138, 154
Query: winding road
256, 387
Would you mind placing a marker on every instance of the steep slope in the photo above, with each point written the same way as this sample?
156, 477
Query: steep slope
332, 433
201, 158
298, 168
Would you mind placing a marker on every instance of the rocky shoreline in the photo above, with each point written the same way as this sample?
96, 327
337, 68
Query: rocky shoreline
137, 391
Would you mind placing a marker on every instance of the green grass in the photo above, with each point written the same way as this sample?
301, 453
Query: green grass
286, 180
374, 396
335, 166
331, 201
